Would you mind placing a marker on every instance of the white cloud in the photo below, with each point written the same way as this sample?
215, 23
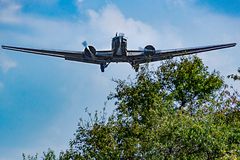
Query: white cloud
110, 20
179, 3
6, 63
9, 11
104, 23
79, 2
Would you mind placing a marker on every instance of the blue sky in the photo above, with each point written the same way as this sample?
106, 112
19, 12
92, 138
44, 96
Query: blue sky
42, 98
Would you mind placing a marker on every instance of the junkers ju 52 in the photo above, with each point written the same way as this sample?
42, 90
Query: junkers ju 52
119, 53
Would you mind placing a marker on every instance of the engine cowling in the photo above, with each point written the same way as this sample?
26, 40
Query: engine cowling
149, 50
90, 51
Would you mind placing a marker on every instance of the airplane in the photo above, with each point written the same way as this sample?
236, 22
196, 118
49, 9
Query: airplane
119, 53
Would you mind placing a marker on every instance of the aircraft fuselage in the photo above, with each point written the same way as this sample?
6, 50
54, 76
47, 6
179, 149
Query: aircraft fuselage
119, 45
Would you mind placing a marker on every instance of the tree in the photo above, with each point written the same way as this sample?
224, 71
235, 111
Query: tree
180, 110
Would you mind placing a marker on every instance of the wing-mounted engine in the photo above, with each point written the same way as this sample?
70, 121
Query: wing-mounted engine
149, 50
89, 51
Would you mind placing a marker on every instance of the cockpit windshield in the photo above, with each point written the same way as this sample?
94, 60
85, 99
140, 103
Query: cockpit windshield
121, 34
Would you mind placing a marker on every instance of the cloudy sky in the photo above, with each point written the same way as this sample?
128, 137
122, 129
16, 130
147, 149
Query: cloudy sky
42, 98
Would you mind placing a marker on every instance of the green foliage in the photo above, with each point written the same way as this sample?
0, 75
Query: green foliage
29, 157
235, 76
49, 155
179, 111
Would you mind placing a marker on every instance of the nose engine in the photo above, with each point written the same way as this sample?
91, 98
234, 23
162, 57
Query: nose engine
149, 50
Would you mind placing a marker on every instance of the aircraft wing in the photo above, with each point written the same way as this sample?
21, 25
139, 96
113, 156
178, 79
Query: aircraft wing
68, 55
168, 54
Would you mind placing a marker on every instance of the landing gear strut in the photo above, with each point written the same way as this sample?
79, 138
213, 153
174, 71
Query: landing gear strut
103, 66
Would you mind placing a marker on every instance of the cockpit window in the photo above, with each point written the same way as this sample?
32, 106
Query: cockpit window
121, 34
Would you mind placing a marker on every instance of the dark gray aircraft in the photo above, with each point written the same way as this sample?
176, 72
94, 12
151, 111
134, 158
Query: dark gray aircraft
119, 53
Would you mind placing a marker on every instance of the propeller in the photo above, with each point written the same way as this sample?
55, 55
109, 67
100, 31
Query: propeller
84, 43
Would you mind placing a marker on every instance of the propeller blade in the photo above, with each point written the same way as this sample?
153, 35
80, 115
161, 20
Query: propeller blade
84, 43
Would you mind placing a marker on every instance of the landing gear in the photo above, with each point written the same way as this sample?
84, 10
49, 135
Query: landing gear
103, 66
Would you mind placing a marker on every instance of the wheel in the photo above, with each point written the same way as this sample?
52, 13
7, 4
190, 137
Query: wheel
102, 67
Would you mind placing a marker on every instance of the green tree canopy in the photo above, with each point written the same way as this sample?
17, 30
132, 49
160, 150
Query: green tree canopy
178, 111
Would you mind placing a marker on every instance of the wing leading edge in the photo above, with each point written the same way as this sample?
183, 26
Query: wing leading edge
184, 51
53, 53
